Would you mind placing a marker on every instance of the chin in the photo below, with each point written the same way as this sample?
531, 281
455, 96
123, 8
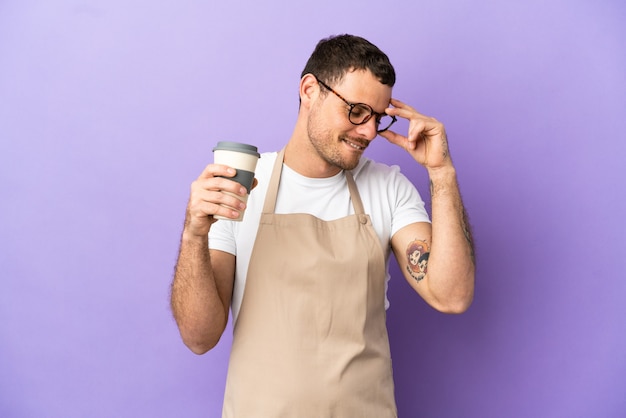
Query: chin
350, 164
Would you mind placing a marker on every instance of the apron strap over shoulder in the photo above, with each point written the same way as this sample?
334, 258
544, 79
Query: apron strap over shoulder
272, 190
354, 194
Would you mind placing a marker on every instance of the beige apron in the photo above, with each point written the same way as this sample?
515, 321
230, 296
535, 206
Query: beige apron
311, 339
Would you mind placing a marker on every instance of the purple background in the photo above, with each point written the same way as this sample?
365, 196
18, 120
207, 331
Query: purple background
109, 109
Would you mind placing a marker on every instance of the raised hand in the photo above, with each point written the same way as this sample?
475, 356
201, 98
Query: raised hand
426, 139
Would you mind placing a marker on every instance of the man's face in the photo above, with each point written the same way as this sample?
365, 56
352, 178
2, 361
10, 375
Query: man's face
414, 257
337, 141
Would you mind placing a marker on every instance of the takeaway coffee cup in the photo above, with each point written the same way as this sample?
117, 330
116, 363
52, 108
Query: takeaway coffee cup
241, 157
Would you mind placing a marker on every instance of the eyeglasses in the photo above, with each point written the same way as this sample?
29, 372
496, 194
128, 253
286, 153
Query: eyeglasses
360, 113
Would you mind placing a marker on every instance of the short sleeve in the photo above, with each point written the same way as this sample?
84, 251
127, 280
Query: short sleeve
222, 237
409, 206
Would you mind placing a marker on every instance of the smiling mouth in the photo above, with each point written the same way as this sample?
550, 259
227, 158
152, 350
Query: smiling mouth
355, 145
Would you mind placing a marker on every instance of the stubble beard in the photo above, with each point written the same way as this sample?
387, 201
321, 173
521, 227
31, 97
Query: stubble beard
328, 148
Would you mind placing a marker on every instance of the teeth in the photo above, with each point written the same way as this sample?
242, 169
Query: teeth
355, 146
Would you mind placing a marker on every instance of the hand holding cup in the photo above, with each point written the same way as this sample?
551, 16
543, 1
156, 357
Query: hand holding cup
243, 158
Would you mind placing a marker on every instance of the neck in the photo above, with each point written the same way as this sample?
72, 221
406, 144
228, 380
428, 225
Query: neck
303, 158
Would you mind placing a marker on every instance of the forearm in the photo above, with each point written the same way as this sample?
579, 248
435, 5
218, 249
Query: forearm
200, 312
451, 265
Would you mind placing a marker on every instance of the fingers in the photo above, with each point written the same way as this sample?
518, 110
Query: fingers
405, 111
205, 203
207, 195
394, 138
425, 139
402, 109
420, 126
214, 170
213, 193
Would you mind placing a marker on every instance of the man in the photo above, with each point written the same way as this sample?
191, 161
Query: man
305, 273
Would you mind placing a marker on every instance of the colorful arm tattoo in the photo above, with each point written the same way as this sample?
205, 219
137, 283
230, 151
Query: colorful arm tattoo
417, 253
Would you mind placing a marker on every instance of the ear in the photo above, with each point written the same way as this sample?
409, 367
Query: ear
309, 89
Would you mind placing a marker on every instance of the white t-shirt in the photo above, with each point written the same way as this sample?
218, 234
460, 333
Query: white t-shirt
389, 198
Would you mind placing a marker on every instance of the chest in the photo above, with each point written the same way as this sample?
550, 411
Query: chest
327, 200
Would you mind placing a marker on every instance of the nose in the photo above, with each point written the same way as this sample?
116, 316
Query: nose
368, 129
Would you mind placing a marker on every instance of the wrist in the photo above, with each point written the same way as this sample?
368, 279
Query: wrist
441, 173
442, 181
192, 238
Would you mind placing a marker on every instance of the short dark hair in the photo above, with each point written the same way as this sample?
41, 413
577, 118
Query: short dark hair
334, 56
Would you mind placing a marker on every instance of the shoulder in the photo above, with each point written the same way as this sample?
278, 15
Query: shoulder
370, 171
386, 185
266, 162
369, 167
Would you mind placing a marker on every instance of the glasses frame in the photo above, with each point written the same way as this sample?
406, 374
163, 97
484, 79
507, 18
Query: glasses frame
353, 105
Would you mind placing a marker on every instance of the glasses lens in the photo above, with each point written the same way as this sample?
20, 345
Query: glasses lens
384, 123
360, 113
